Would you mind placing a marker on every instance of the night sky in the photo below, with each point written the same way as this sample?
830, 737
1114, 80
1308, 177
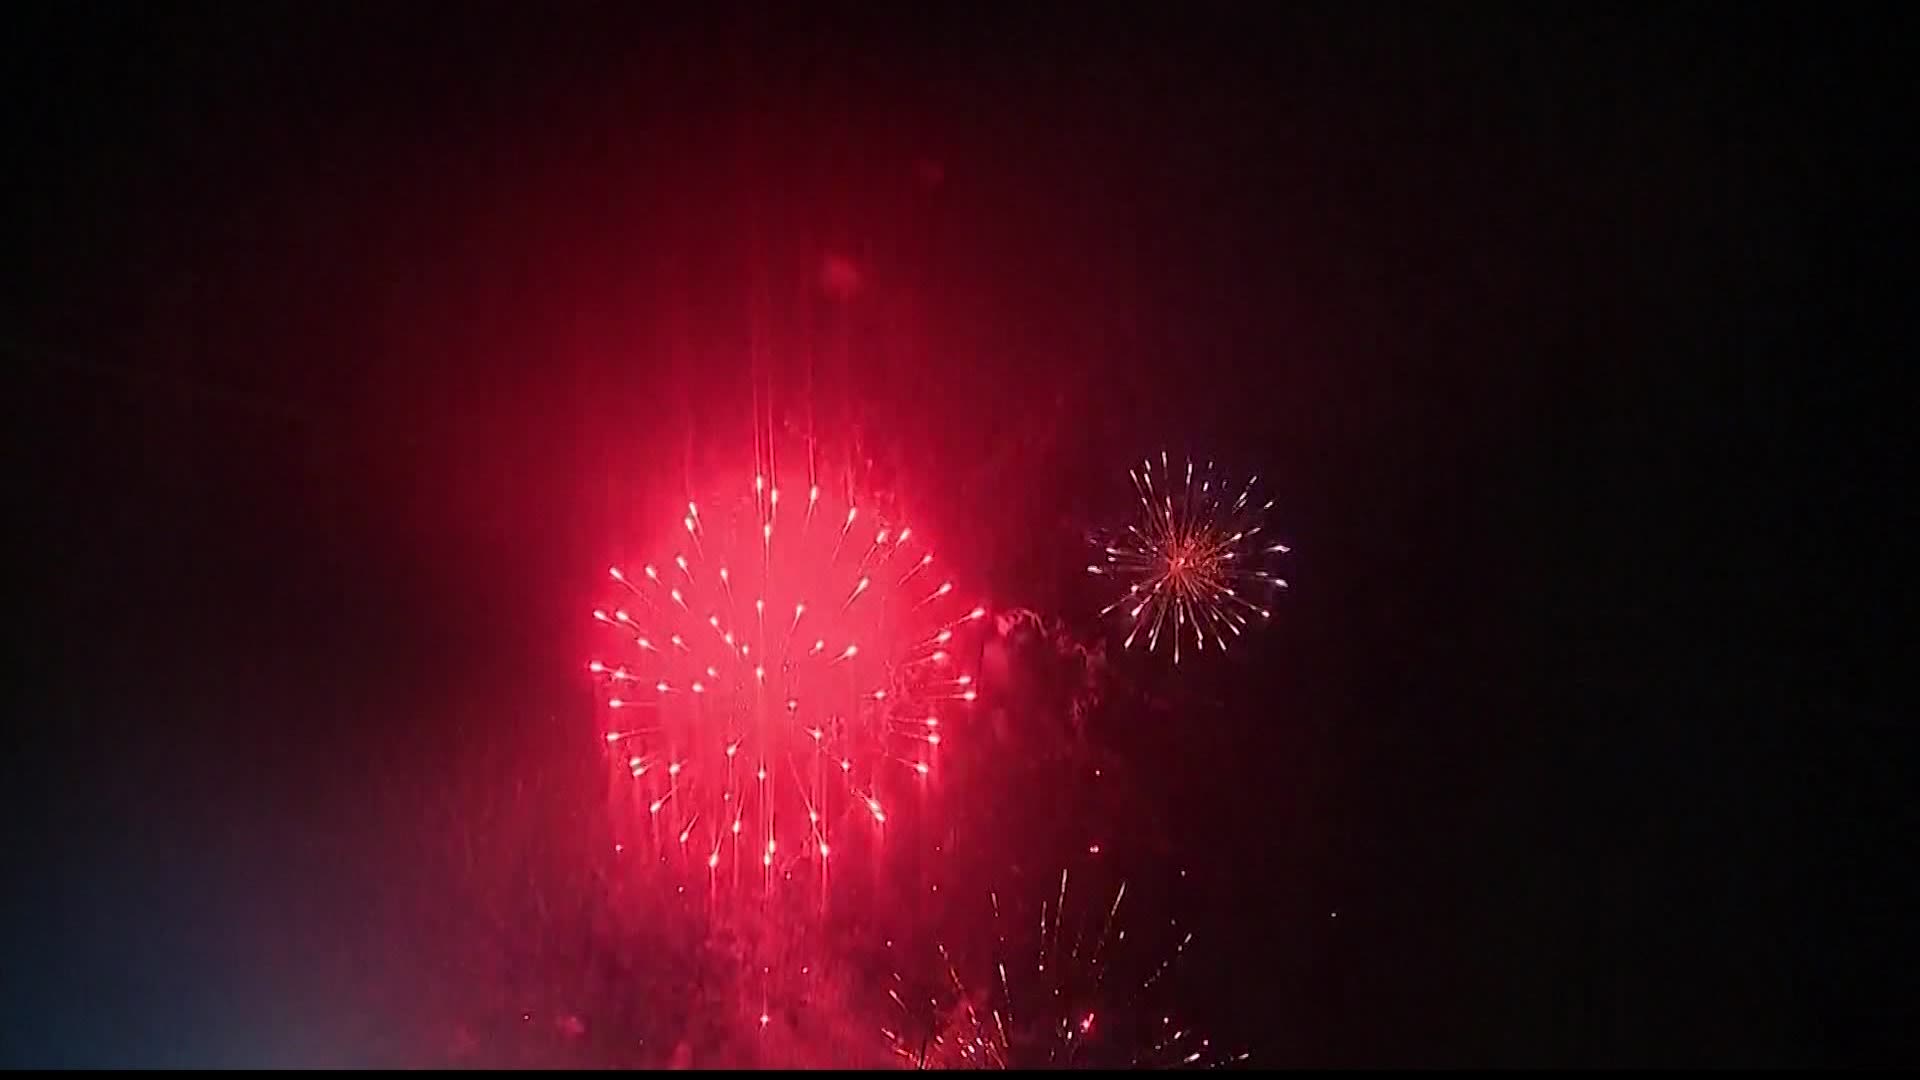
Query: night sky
341, 346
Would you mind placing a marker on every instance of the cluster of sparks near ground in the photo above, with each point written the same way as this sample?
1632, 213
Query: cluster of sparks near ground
1047, 1011
1194, 561
782, 674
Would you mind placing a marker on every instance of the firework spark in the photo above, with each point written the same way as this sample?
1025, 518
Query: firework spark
1194, 562
787, 668
1071, 997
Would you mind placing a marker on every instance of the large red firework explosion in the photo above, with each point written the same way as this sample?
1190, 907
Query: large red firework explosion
778, 685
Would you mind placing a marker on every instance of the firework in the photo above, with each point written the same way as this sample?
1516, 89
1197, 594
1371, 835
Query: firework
1194, 563
784, 672
1072, 996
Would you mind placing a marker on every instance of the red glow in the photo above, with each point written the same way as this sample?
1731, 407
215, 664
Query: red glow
860, 671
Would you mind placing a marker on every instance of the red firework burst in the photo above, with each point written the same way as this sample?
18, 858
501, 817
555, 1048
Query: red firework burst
787, 668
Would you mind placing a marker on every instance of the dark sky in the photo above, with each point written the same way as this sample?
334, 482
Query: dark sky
339, 343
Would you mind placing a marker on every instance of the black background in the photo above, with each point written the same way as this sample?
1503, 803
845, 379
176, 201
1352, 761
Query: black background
336, 339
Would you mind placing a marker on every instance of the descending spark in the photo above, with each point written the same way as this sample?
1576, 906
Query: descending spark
1068, 998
